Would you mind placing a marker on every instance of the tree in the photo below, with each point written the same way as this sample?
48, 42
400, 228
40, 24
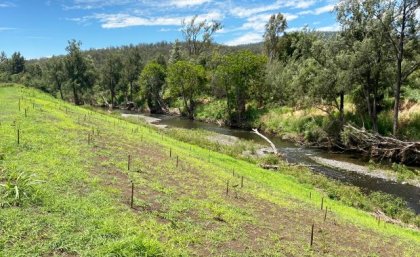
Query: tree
77, 69
3, 61
368, 61
332, 76
17, 63
176, 53
56, 73
132, 66
239, 73
275, 26
186, 79
112, 74
402, 29
198, 35
152, 80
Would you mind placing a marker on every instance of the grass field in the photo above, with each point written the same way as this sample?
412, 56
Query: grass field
72, 172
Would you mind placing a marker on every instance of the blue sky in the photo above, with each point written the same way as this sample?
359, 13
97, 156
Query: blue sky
42, 28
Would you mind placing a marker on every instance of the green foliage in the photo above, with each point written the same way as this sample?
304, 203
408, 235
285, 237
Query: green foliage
240, 75
212, 111
152, 80
186, 80
404, 173
269, 159
17, 188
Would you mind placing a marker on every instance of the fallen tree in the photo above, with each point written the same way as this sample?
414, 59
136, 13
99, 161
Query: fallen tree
273, 146
380, 147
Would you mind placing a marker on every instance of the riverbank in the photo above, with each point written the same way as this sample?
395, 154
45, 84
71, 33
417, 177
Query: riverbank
171, 199
382, 173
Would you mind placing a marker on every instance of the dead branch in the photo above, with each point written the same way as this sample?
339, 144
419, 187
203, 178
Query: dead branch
380, 147
266, 139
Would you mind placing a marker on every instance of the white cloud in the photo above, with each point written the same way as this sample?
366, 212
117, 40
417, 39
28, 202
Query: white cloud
187, 3
324, 9
247, 38
333, 27
243, 12
112, 21
6, 28
7, 4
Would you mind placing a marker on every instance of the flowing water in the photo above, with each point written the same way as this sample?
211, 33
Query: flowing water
302, 155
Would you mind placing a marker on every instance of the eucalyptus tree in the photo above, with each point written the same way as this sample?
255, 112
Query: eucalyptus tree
132, 65
187, 80
276, 25
112, 75
78, 70
369, 59
198, 35
56, 73
16, 63
152, 81
241, 74
402, 29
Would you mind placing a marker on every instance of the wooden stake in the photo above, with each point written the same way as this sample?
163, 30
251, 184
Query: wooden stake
18, 136
322, 203
129, 162
242, 181
132, 195
233, 172
25, 113
227, 187
325, 215
177, 161
312, 235
19, 104
310, 195
170, 152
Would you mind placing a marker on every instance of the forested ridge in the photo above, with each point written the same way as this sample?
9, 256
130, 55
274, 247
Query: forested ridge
302, 82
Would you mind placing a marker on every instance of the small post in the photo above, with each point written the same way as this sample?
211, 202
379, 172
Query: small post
233, 172
18, 136
129, 162
312, 235
322, 203
227, 187
242, 181
177, 160
310, 195
325, 215
25, 113
33, 105
170, 152
19, 104
132, 195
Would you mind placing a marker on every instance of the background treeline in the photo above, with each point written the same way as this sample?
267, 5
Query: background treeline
305, 81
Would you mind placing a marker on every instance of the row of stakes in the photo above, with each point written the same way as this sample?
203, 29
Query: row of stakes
90, 138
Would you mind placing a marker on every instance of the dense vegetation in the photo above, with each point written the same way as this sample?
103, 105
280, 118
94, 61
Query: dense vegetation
65, 190
366, 74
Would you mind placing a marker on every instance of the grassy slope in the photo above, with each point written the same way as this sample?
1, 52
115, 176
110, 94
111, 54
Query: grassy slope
83, 205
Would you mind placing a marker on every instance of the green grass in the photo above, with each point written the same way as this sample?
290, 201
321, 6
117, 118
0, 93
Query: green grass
80, 203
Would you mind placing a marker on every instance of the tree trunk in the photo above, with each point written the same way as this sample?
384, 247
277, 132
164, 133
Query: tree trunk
131, 91
61, 91
76, 97
374, 115
397, 90
341, 107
